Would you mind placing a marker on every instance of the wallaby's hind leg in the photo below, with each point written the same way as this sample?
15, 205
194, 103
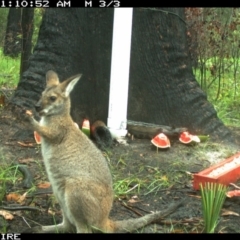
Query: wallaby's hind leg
83, 228
64, 227
89, 203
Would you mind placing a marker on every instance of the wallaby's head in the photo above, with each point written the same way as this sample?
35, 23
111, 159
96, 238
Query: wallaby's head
55, 98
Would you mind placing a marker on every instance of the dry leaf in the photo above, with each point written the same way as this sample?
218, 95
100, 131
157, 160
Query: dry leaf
26, 161
229, 213
134, 199
16, 197
44, 185
22, 198
6, 215
195, 196
13, 197
25, 144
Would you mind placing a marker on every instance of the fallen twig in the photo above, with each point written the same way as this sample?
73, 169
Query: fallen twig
22, 144
131, 188
183, 221
172, 208
130, 208
148, 130
20, 208
142, 209
26, 222
234, 185
40, 192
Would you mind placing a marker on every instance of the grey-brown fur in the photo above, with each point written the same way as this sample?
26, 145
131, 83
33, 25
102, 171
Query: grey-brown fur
76, 168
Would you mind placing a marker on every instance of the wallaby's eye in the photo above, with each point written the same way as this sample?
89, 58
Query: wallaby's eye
52, 98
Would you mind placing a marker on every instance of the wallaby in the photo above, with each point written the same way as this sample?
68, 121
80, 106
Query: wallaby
78, 172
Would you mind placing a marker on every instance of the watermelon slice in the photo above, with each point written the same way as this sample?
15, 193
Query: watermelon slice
233, 193
187, 138
161, 141
86, 127
37, 137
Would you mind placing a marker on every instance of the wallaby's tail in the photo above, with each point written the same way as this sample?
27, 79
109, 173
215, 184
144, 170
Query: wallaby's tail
132, 224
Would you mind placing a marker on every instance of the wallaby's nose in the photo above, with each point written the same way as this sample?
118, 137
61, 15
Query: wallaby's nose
38, 107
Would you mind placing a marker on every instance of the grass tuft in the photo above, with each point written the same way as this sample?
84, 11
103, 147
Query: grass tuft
213, 196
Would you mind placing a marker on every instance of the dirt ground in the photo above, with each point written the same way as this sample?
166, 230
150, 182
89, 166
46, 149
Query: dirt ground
155, 180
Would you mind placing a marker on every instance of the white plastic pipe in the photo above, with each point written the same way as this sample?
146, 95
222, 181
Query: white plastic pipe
120, 63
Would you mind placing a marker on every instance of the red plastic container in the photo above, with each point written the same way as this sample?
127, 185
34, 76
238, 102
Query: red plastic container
226, 177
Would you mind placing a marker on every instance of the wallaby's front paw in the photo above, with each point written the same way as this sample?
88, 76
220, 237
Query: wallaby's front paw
29, 113
26, 116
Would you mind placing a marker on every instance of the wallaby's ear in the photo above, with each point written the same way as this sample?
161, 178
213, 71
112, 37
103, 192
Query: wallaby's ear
68, 85
51, 78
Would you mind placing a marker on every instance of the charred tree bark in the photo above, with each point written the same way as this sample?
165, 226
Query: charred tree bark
27, 31
162, 87
71, 41
13, 41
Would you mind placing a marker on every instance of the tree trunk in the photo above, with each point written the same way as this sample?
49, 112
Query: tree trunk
27, 31
162, 87
13, 41
71, 41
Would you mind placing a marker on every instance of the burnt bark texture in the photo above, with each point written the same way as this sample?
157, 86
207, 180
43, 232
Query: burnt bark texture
13, 42
162, 87
71, 41
27, 32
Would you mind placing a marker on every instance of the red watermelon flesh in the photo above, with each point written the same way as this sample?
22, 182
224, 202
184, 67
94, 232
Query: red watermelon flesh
186, 138
161, 141
37, 137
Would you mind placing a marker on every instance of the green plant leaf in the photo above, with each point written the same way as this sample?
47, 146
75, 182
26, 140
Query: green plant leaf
213, 196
